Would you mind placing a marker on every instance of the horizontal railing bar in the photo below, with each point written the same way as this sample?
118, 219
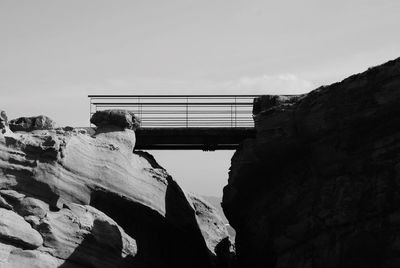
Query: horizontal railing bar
176, 96
172, 103
205, 118
195, 122
184, 126
199, 122
176, 99
179, 120
198, 125
192, 115
196, 118
217, 107
212, 127
191, 125
192, 122
191, 112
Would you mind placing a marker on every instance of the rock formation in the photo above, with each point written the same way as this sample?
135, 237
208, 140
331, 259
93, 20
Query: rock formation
3, 120
68, 199
40, 122
121, 118
319, 186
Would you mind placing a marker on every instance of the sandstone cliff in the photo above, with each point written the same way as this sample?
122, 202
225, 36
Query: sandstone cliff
68, 199
320, 184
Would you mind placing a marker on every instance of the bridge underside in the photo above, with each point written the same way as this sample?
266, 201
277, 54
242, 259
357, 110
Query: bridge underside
207, 139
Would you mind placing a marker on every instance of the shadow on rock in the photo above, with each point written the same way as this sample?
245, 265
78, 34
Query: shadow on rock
187, 232
101, 248
171, 241
226, 258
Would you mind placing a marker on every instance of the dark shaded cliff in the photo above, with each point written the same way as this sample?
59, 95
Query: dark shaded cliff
320, 184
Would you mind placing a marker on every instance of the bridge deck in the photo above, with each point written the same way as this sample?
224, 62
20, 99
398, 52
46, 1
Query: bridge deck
206, 139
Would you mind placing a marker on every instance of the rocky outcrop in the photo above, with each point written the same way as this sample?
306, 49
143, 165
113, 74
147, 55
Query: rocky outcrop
14, 228
122, 118
320, 184
68, 199
3, 121
211, 224
40, 122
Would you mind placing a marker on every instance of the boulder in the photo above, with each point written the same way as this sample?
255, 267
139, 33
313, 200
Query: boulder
3, 121
28, 124
211, 224
84, 235
77, 236
121, 118
68, 128
4, 203
214, 231
15, 230
3, 118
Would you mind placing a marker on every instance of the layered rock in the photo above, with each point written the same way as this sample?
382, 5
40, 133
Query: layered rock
68, 199
121, 118
320, 184
3, 121
40, 122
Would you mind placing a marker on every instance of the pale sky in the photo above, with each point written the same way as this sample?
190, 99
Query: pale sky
54, 53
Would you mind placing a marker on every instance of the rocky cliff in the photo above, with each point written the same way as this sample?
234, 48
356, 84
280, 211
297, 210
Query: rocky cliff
320, 184
68, 199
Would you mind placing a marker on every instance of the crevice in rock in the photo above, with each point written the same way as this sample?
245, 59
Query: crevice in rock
160, 242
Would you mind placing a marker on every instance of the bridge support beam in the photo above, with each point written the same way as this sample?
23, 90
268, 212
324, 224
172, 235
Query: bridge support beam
206, 139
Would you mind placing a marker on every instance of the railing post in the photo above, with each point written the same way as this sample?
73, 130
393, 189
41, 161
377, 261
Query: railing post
140, 111
90, 112
231, 115
235, 113
187, 111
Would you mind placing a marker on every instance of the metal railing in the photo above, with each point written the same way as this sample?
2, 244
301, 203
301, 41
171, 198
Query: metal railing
185, 111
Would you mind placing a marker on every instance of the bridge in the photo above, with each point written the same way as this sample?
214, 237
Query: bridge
185, 122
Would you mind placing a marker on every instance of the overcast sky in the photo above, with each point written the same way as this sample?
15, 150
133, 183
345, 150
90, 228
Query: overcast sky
54, 53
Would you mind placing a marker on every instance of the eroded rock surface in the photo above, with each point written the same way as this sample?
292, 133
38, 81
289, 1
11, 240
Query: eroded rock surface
121, 118
211, 224
320, 184
15, 229
68, 199
3, 121
40, 122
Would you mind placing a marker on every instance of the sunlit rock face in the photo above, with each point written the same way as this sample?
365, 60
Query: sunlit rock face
320, 184
68, 199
